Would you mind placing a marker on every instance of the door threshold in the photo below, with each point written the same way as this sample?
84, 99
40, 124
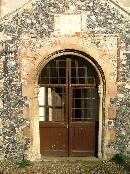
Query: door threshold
70, 159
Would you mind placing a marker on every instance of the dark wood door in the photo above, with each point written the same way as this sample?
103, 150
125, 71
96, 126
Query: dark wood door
83, 122
68, 108
54, 128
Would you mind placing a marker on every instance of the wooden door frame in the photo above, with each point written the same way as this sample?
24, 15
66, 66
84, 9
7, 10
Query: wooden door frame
68, 102
69, 86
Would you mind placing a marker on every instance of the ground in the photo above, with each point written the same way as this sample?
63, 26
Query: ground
76, 166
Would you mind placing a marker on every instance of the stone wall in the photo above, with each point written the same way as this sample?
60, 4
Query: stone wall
8, 6
24, 32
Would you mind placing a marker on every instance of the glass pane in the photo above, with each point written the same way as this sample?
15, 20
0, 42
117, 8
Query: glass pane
84, 104
53, 108
40, 96
54, 72
82, 72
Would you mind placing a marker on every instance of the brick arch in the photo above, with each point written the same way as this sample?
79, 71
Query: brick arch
46, 53
71, 45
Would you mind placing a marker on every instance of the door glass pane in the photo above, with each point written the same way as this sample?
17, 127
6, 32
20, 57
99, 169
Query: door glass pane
52, 104
84, 104
54, 72
82, 72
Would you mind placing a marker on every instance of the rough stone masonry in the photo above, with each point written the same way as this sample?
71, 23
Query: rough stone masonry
44, 22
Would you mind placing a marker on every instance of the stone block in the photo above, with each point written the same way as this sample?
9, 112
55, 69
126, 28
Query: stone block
104, 1
112, 90
1, 65
111, 112
26, 90
1, 104
0, 123
27, 132
127, 86
2, 37
69, 24
26, 113
1, 143
1, 85
112, 135
110, 153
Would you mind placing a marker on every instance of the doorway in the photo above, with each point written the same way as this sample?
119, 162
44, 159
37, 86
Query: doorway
68, 107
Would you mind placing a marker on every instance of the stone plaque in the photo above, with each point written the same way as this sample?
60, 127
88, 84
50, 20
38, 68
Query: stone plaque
70, 24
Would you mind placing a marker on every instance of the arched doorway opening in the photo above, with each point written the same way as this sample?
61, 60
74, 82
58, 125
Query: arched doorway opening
69, 107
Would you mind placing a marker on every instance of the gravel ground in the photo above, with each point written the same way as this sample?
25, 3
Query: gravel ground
102, 167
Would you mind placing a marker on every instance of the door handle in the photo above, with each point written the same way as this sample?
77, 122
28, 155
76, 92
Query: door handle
67, 126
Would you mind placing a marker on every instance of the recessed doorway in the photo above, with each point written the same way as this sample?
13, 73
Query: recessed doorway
68, 107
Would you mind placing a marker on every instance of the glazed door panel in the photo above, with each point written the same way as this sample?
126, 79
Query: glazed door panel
83, 121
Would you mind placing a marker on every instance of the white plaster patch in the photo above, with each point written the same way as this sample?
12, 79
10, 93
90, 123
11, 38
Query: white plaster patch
2, 36
1, 104
0, 123
70, 23
127, 86
120, 95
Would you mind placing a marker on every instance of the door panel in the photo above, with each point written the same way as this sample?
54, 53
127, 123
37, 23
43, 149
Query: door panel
54, 140
53, 124
82, 139
82, 130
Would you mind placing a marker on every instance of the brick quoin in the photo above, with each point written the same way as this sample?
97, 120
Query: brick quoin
1, 85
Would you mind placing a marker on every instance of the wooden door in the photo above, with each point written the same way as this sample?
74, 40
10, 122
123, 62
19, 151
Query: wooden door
83, 122
53, 130
68, 108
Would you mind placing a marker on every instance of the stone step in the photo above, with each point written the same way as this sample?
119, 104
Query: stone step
71, 160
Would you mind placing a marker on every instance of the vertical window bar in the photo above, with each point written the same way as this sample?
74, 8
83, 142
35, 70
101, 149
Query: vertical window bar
77, 74
49, 74
62, 104
82, 104
86, 74
46, 105
57, 70
54, 91
50, 104
91, 103
73, 103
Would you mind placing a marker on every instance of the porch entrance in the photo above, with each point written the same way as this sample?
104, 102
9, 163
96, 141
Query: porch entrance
68, 107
